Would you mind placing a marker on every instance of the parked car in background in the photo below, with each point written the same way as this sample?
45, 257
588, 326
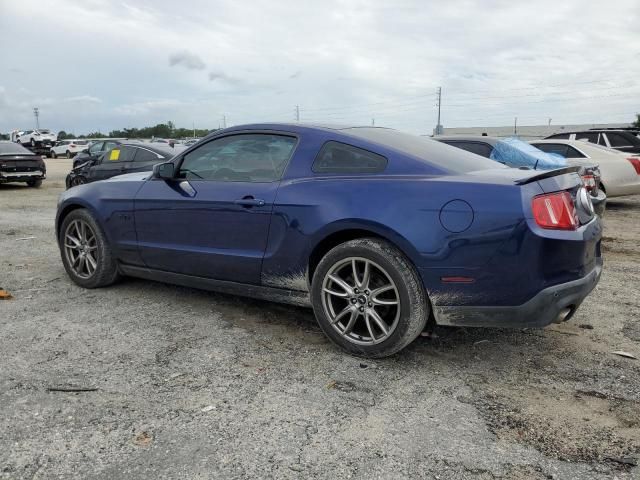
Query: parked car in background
126, 157
190, 141
39, 137
619, 171
377, 230
94, 151
69, 148
517, 154
621, 140
17, 164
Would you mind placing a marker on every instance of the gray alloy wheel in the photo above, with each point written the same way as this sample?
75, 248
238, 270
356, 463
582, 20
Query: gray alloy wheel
361, 301
69, 154
33, 142
53, 154
80, 248
368, 298
86, 254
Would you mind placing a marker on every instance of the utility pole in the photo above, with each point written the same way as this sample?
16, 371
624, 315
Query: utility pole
549, 122
515, 126
193, 124
438, 126
224, 121
36, 113
373, 122
297, 113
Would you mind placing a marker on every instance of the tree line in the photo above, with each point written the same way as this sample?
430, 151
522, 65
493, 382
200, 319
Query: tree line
161, 130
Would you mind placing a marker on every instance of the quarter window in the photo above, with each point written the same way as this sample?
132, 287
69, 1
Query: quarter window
143, 155
336, 157
121, 154
251, 157
479, 148
557, 148
617, 140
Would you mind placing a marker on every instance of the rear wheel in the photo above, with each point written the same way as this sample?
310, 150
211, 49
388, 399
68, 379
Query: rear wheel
86, 254
368, 298
53, 154
33, 142
69, 154
34, 183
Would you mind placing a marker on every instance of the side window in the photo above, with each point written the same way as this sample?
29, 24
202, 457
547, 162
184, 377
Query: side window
557, 148
95, 148
120, 154
479, 148
573, 153
336, 157
564, 136
144, 155
588, 136
247, 157
617, 140
109, 145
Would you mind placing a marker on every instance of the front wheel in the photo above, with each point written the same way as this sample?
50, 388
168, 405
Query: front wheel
33, 142
34, 183
368, 298
69, 154
53, 154
86, 254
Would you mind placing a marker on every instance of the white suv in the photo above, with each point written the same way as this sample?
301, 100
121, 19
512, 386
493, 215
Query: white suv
41, 136
69, 148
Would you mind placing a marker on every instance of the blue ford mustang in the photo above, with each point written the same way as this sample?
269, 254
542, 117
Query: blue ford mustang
379, 231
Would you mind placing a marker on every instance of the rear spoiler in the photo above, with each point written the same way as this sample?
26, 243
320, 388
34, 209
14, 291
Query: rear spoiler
548, 174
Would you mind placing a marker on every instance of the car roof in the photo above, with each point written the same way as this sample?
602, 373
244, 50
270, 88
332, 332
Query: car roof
161, 148
581, 145
468, 138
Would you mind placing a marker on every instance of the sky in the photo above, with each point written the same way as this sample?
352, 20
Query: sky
98, 65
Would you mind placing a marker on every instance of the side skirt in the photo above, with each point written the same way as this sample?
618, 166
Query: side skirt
271, 294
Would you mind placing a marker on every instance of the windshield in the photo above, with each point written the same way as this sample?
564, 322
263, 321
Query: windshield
513, 152
44, 131
10, 148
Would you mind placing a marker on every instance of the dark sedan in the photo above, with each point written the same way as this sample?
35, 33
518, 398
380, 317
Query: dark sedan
124, 158
379, 231
17, 164
95, 151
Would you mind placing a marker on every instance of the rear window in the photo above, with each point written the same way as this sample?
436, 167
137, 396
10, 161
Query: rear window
10, 148
336, 157
430, 151
564, 136
588, 136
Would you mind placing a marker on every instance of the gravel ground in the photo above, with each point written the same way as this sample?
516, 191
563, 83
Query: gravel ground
190, 384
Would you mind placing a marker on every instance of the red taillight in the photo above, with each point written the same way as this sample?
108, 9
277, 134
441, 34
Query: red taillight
72, 145
635, 161
589, 182
556, 211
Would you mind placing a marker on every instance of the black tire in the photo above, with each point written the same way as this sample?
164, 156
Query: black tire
33, 142
53, 154
106, 271
34, 183
414, 307
69, 154
79, 180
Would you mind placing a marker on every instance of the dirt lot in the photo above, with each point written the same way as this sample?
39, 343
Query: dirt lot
192, 384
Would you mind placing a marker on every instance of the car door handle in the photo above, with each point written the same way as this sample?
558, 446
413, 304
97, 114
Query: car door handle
249, 202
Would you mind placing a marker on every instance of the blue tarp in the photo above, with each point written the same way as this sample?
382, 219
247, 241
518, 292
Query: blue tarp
513, 152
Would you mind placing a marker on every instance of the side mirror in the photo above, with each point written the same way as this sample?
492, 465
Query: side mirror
165, 171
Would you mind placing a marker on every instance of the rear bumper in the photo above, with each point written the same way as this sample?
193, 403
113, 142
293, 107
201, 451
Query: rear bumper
552, 304
21, 176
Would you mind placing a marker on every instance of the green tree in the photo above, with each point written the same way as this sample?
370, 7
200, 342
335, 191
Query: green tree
637, 122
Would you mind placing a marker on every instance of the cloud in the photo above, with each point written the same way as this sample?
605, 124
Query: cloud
187, 60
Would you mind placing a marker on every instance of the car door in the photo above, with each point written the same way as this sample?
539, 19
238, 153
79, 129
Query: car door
212, 220
112, 163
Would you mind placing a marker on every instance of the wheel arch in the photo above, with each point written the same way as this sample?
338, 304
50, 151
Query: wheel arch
343, 233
